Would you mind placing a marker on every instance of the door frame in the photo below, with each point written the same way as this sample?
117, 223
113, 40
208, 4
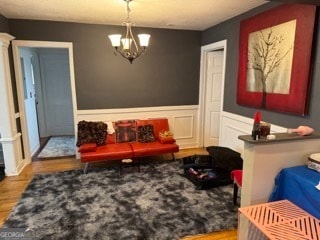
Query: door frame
221, 45
16, 44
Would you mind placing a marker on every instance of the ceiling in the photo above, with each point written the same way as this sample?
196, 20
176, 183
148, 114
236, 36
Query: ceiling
175, 14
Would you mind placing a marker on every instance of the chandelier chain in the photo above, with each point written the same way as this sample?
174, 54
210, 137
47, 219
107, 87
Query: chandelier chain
128, 10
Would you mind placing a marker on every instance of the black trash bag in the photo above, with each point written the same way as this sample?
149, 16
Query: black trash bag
2, 174
225, 158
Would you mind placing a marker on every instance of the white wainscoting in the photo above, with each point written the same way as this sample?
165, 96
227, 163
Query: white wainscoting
182, 119
233, 125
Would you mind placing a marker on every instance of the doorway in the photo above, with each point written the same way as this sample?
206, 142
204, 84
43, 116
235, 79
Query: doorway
52, 92
212, 78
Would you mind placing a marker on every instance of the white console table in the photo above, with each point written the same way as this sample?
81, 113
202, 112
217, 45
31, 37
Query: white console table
263, 160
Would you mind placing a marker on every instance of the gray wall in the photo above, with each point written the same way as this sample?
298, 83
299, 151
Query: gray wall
230, 30
4, 28
4, 25
167, 76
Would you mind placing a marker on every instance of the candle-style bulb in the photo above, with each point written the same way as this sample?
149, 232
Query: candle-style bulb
256, 133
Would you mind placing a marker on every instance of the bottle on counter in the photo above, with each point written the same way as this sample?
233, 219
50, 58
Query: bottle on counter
256, 132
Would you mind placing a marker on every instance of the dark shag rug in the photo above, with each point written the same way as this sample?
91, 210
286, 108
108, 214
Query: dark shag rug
156, 203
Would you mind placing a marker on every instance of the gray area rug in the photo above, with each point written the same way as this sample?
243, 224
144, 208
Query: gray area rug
156, 203
57, 147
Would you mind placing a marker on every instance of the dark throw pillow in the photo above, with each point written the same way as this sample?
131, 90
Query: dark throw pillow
92, 132
145, 133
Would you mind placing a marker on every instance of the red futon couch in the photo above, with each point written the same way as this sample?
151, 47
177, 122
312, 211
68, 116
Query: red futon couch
131, 139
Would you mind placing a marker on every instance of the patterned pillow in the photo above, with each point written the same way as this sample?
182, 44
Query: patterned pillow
125, 131
145, 133
92, 132
166, 137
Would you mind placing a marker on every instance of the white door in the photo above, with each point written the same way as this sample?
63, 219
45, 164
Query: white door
56, 92
213, 94
39, 98
29, 99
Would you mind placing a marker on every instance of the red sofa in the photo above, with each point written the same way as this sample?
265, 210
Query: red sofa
131, 149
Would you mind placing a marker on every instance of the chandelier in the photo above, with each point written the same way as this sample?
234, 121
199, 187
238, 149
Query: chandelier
130, 49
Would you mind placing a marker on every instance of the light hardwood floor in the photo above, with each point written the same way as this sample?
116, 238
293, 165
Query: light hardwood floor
11, 188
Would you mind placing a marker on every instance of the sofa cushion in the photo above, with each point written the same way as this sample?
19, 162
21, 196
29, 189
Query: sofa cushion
166, 140
145, 133
125, 131
108, 152
87, 147
152, 148
159, 124
111, 138
91, 132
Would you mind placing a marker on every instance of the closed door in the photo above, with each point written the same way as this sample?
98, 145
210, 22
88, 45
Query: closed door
56, 92
213, 96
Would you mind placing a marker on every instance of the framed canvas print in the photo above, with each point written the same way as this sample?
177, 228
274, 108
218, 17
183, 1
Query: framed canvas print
274, 59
